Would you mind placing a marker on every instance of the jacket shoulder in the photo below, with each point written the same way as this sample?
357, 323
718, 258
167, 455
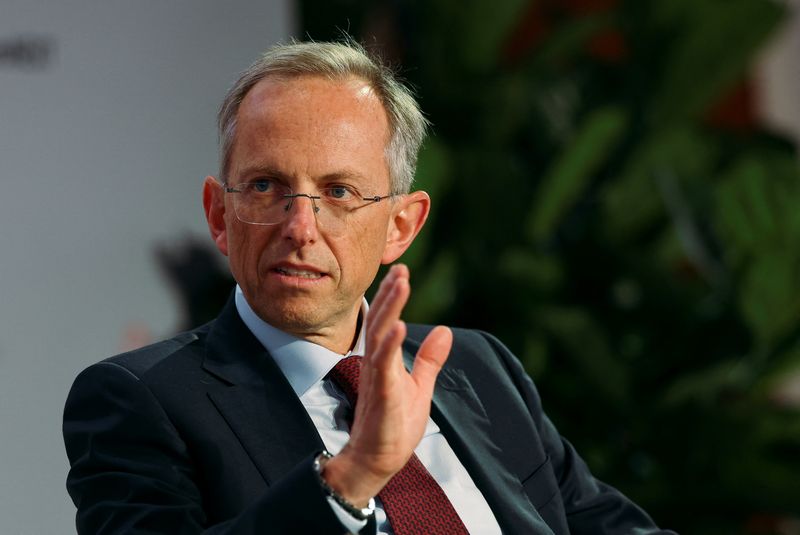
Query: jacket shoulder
467, 343
416, 333
139, 362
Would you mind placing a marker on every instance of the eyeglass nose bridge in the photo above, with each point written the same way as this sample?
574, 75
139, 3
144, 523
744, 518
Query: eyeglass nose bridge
292, 196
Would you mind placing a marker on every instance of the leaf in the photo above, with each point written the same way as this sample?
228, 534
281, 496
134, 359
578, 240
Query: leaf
719, 41
706, 386
437, 291
570, 175
527, 269
434, 172
769, 295
568, 40
632, 202
585, 342
482, 32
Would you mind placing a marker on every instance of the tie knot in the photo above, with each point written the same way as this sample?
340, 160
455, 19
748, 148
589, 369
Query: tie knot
345, 374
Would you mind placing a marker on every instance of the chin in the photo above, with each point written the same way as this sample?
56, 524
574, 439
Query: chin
292, 318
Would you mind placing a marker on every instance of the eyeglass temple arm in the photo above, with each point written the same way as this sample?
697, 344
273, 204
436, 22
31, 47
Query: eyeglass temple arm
378, 198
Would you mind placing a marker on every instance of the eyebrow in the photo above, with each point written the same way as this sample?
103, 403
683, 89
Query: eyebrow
262, 170
344, 175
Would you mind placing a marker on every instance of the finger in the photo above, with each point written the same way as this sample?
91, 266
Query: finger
379, 322
397, 270
384, 363
377, 309
431, 356
387, 356
383, 289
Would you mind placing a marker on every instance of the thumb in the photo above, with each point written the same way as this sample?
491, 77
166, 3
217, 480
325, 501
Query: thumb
431, 356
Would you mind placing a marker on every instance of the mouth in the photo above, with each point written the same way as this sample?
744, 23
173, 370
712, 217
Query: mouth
299, 272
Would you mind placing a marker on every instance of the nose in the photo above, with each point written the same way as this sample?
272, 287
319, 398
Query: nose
300, 225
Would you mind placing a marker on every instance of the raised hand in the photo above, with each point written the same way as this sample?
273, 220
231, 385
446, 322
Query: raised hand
393, 405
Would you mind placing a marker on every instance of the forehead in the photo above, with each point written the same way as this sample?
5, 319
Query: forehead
311, 125
311, 93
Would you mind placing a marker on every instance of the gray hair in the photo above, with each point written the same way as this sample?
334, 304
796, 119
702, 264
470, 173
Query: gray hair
335, 61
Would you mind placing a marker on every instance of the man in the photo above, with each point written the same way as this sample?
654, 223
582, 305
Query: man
223, 429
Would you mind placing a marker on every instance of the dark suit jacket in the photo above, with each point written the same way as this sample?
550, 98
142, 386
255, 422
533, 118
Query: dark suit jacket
202, 433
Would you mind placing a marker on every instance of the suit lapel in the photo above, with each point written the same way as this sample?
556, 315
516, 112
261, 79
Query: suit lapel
458, 412
257, 401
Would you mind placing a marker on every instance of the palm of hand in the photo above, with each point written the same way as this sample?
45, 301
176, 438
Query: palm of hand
393, 404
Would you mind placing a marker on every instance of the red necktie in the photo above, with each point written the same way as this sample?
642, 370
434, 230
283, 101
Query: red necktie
414, 503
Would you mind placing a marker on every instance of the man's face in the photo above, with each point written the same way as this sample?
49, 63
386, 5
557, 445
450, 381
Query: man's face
309, 133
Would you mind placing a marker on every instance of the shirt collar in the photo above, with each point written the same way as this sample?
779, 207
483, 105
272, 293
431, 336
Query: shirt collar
303, 363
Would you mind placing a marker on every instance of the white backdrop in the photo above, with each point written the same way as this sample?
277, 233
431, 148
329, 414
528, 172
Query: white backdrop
778, 76
107, 115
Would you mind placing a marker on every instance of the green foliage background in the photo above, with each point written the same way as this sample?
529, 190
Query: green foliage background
642, 263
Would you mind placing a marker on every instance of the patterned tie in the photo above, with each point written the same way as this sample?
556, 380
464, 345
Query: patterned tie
414, 503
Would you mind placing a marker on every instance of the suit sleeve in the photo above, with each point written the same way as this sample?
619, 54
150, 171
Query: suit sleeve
131, 471
591, 506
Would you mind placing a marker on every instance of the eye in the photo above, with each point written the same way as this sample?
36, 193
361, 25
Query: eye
262, 185
341, 193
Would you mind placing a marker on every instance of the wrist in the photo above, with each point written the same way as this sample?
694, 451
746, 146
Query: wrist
357, 510
349, 479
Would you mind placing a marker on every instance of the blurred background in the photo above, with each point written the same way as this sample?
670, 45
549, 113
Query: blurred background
616, 192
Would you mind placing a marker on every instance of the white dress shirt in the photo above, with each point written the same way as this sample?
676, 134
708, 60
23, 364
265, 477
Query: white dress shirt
305, 366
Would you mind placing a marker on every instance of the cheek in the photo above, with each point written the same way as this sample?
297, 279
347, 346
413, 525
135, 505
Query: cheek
371, 236
364, 253
244, 255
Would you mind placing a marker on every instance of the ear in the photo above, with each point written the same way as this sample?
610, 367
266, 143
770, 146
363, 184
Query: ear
214, 206
408, 216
